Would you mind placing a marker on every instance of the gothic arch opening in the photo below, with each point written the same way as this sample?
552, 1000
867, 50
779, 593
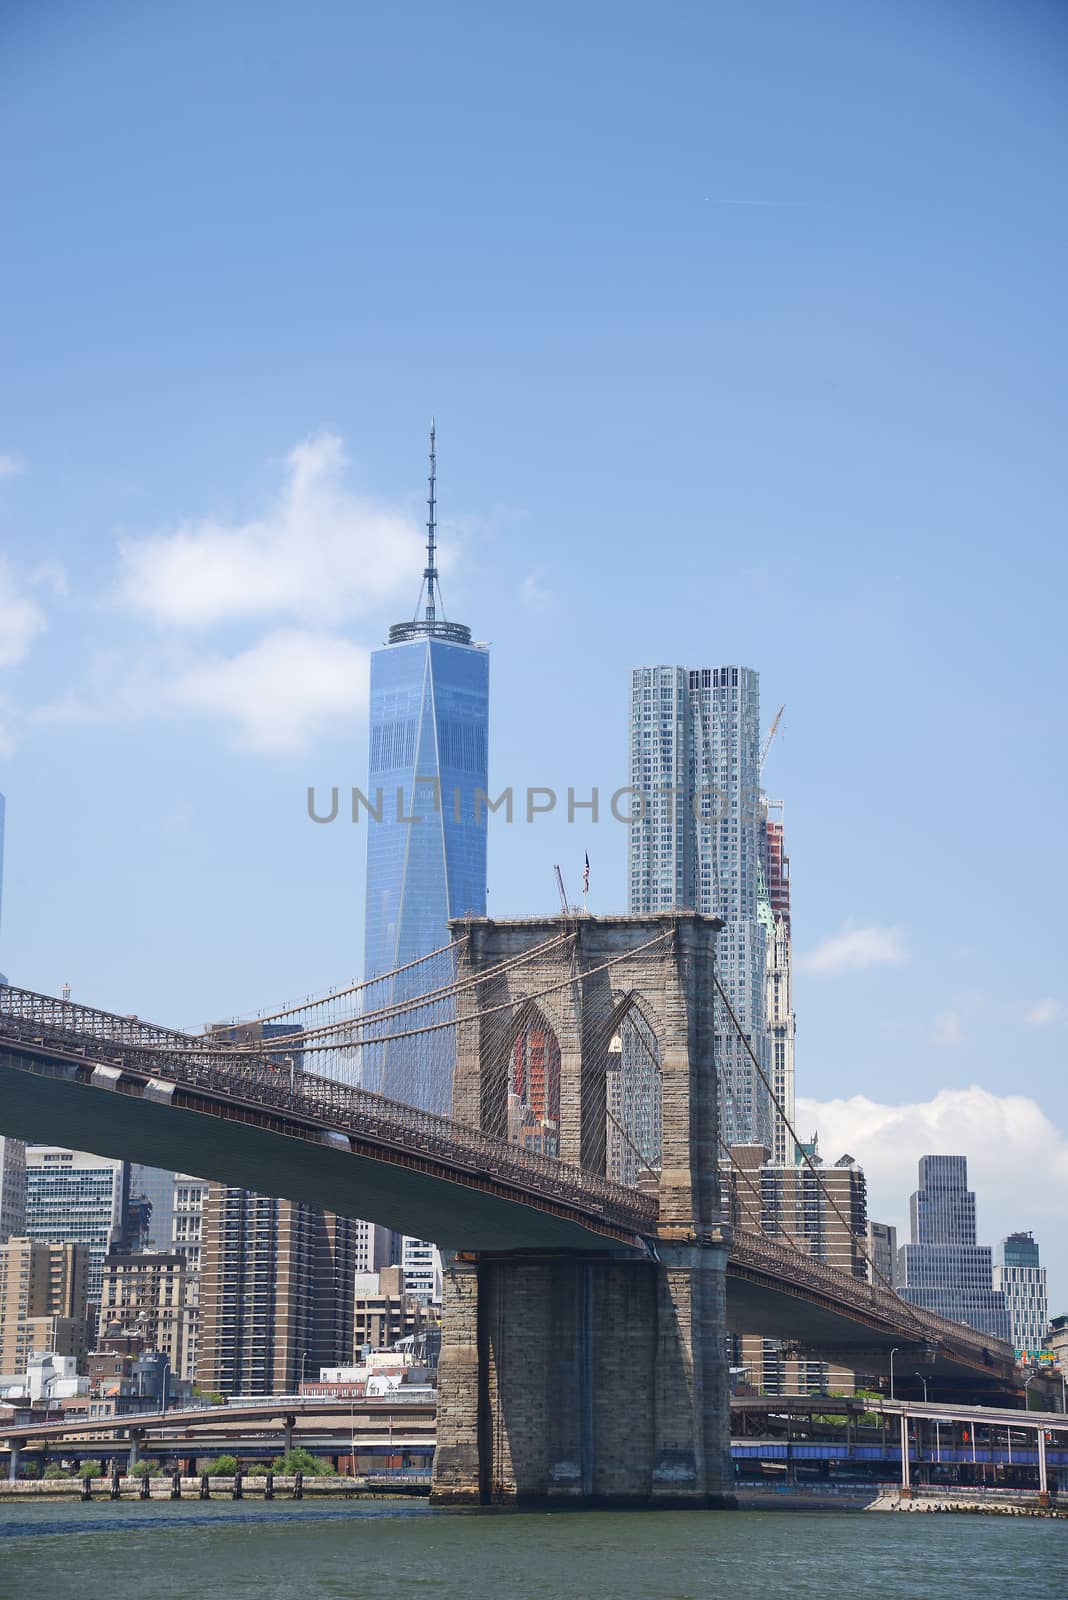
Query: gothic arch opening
534, 1083
633, 1095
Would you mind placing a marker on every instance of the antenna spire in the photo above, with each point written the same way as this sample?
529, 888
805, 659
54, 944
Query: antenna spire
426, 624
430, 576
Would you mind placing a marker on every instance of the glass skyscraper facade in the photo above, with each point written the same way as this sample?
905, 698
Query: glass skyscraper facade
426, 831
697, 841
942, 1269
426, 857
156, 1186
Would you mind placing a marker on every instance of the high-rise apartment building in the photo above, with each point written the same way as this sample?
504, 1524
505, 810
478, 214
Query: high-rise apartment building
145, 1293
42, 1301
375, 1247
697, 841
1021, 1278
882, 1254
534, 1091
12, 1187
74, 1197
276, 1292
426, 841
187, 1225
794, 1204
774, 912
942, 1269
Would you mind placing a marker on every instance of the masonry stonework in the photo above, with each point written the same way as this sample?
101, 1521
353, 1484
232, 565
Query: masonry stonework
592, 1379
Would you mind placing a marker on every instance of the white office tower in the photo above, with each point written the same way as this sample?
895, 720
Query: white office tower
697, 842
421, 1266
73, 1197
189, 1196
1021, 1278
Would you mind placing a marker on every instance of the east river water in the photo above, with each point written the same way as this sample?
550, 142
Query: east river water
387, 1550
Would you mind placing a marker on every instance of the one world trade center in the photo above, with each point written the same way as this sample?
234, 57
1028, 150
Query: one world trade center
426, 856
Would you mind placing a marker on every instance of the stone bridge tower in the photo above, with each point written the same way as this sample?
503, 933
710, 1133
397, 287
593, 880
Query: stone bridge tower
601, 1377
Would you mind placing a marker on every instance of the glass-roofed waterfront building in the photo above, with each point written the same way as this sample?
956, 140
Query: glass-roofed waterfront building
426, 842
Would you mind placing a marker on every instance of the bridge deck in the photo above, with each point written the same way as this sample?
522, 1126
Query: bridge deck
124, 1088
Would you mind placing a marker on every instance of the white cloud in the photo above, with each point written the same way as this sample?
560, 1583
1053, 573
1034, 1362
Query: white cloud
21, 620
948, 1028
7, 736
276, 587
52, 575
276, 695
11, 466
1017, 1159
282, 692
535, 595
320, 554
857, 947
1047, 1010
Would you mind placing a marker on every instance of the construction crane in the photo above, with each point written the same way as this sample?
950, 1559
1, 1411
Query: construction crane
772, 731
565, 909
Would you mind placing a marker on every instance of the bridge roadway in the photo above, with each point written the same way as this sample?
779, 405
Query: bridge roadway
793, 1434
412, 1420
127, 1089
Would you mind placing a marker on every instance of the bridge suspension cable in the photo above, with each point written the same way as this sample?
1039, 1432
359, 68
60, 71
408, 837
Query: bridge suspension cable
331, 996
505, 1005
366, 1019
781, 1109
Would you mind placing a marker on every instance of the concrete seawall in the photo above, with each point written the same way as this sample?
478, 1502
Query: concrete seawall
253, 1487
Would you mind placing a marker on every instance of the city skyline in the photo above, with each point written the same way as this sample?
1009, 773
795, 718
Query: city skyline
798, 429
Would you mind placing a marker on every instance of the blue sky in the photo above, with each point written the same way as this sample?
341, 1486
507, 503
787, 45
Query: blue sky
744, 327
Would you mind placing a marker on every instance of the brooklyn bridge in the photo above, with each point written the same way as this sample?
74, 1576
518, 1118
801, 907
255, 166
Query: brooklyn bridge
592, 1275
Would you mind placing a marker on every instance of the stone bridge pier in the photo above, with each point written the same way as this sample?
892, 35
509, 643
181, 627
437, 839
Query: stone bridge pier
600, 1377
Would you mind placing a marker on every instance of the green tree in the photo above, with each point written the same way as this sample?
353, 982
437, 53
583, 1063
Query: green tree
145, 1469
54, 1470
222, 1467
300, 1460
90, 1469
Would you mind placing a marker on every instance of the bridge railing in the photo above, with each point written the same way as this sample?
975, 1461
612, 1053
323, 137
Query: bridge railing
48, 1012
339, 1107
757, 1250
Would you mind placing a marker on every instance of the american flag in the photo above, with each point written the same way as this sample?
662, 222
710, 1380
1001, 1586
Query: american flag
586, 875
